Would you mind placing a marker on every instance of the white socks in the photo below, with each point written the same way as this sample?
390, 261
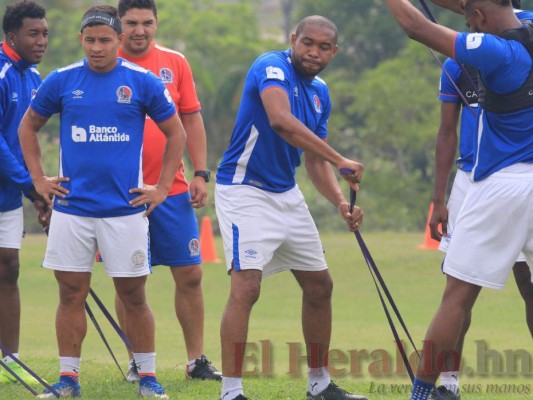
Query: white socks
317, 380
69, 366
450, 380
145, 363
231, 388
10, 359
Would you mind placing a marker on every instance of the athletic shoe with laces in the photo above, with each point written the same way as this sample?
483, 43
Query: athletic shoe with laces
203, 370
65, 388
333, 392
133, 374
443, 393
7, 377
152, 388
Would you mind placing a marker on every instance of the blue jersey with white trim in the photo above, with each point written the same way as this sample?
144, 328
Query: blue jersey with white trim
101, 133
448, 94
257, 155
504, 65
19, 81
469, 115
524, 15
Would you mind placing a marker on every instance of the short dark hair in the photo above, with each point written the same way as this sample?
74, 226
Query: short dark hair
516, 3
468, 4
16, 12
125, 5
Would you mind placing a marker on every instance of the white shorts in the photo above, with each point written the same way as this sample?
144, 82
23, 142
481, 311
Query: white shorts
494, 225
122, 241
11, 229
460, 187
271, 232
455, 202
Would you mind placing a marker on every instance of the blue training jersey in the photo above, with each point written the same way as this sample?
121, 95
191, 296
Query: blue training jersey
19, 81
469, 115
101, 133
467, 134
257, 155
503, 65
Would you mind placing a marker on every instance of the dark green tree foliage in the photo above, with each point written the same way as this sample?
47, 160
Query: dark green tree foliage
220, 40
398, 106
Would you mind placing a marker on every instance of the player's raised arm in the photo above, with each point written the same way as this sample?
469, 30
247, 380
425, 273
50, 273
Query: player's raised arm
421, 29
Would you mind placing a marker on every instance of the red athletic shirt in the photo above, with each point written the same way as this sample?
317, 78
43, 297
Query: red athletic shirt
174, 70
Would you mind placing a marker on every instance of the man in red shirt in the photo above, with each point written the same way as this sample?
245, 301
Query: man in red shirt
173, 225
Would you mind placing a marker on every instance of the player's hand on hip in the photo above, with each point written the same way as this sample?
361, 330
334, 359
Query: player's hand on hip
48, 187
352, 172
150, 196
198, 191
353, 219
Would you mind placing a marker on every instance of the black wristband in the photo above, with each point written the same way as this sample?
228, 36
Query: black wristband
206, 174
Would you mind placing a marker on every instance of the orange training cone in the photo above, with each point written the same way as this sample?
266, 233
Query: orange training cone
429, 243
207, 242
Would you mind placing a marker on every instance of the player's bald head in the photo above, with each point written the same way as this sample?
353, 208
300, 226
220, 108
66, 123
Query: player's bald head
318, 21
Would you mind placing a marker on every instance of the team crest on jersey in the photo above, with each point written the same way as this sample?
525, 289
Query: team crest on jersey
318, 105
194, 247
124, 94
166, 75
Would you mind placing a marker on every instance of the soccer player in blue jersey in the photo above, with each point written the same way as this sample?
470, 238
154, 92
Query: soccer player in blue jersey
100, 200
264, 220
453, 112
495, 221
26, 38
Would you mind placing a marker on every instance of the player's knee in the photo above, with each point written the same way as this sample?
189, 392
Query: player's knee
9, 267
320, 292
71, 295
246, 293
9, 273
188, 279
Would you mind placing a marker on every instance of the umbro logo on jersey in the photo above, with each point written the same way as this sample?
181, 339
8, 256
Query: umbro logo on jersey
78, 93
14, 96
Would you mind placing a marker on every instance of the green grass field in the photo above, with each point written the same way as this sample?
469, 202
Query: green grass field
364, 359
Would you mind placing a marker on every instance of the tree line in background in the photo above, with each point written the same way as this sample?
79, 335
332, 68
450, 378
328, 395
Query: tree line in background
384, 90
